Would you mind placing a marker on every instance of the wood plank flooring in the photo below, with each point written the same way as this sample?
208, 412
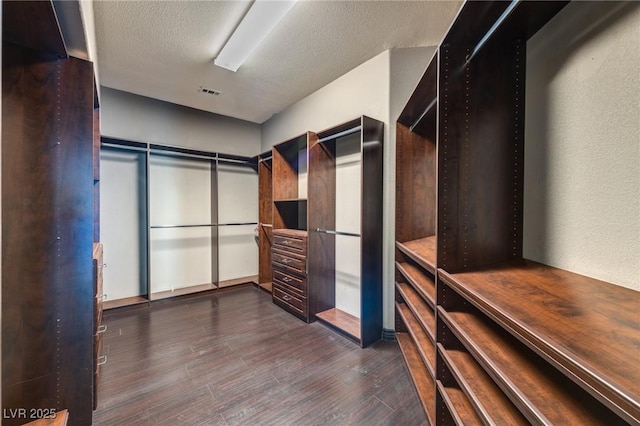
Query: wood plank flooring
234, 358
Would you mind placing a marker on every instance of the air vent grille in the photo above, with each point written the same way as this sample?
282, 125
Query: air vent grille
208, 91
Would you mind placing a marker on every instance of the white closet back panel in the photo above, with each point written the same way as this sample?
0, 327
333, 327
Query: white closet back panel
122, 219
348, 211
303, 173
180, 194
237, 203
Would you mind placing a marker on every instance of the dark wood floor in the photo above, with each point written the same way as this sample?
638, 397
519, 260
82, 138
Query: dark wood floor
236, 358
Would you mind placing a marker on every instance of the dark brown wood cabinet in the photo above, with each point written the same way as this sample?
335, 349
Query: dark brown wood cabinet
289, 257
336, 223
488, 336
265, 220
48, 293
289, 236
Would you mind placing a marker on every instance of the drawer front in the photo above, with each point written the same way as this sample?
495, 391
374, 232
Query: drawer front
290, 263
291, 303
298, 285
290, 244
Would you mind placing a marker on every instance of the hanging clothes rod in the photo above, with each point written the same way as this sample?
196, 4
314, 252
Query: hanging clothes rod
329, 231
266, 225
341, 134
124, 147
181, 226
265, 158
180, 154
492, 30
424, 113
233, 160
237, 224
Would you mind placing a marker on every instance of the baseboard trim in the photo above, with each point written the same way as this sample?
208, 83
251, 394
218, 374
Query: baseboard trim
388, 335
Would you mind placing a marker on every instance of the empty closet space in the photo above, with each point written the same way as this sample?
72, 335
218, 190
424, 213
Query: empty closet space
176, 221
345, 228
513, 307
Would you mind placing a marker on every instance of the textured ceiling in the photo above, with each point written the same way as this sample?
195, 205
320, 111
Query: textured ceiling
165, 49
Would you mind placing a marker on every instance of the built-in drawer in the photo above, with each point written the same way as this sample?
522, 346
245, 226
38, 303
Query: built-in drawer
297, 284
291, 243
289, 302
291, 263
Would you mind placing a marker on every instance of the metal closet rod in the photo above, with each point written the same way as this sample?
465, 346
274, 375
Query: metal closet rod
177, 151
492, 30
424, 113
331, 232
203, 225
341, 134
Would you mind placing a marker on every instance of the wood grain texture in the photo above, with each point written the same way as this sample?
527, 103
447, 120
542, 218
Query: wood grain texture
47, 287
574, 321
423, 342
235, 358
459, 407
33, 25
423, 283
420, 375
322, 214
342, 321
423, 313
265, 217
422, 251
540, 392
490, 404
415, 185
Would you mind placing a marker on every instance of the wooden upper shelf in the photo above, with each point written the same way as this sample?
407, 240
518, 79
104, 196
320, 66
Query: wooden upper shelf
422, 251
586, 327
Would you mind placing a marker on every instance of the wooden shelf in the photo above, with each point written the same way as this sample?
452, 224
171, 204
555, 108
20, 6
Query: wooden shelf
268, 287
585, 327
423, 313
458, 405
489, 401
126, 301
422, 251
422, 283
237, 281
291, 200
181, 291
423, 342
341, 321
540, 392
419, 374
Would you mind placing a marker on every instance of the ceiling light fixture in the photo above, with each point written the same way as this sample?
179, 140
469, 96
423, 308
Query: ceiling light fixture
256, 25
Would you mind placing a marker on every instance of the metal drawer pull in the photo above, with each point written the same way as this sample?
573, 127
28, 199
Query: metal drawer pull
102, 328
102, 360
286, 242
286, 279
286, 261
286, 298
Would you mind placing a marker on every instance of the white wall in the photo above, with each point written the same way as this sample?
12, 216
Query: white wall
378, 88
180, 194
136, 118
121, 209
237, 203
582, 169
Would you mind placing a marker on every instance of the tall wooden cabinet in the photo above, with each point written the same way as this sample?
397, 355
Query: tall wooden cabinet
347, 226
48, 289
488, 336
289, 248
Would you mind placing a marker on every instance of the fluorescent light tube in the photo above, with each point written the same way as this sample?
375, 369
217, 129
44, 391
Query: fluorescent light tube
256, 25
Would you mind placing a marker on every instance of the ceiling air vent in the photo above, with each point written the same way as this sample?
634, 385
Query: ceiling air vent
208, 91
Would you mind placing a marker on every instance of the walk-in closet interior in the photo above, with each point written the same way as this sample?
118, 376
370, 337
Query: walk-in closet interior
490, 333
467, 207
180, 220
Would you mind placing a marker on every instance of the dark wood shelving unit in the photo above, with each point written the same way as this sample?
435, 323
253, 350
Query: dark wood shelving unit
517, 341
51, 309
290, 288
421, 376
324, 151
265, 219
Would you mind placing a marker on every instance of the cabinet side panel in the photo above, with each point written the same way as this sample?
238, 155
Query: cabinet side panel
48, 234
